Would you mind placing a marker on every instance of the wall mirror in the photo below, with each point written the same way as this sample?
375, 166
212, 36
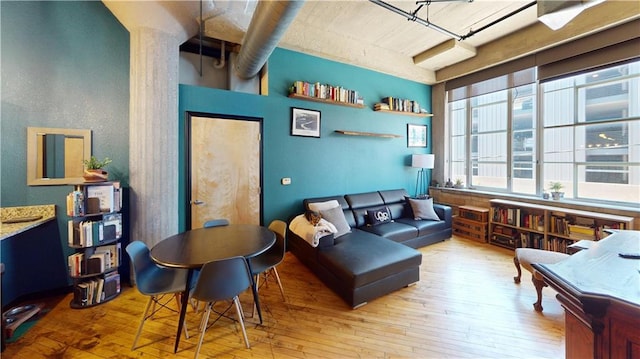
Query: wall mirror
55, 155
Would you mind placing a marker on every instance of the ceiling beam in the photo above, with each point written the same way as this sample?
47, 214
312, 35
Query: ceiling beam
538, 36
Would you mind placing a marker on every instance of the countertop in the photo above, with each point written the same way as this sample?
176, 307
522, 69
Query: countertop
43, 213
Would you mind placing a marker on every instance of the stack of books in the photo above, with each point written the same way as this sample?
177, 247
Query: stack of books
381, 106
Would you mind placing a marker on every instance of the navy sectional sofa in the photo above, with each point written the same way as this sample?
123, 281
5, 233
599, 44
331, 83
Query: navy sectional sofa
371, 261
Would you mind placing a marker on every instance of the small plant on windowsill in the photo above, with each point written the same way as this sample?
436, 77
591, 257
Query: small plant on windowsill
555, 188
459, 183
93, 169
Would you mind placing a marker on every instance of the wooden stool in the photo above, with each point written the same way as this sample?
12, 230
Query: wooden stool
526, 256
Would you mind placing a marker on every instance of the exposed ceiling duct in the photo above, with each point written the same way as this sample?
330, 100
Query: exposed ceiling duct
268, 24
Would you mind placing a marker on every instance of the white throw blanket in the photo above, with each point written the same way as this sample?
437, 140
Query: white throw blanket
309, 232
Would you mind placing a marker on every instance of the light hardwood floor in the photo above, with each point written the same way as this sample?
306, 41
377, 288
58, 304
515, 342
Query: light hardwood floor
466, 305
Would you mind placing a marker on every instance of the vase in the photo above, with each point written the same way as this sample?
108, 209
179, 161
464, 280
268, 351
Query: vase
557, 195
98, 175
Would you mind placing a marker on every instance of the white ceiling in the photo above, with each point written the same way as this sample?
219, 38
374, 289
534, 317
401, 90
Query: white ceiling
365, 34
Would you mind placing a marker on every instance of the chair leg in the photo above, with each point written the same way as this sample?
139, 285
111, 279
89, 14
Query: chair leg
539, 284
253, 310
144, 317
203, 327
275, 272
517, 264
184, 325
239, 312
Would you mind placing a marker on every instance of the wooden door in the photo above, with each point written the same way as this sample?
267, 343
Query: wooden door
225, 157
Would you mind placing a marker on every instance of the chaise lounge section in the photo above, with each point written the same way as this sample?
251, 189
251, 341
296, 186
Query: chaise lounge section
371, 260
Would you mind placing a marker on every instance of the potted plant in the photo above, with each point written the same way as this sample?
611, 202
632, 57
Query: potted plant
555, 188
459, 183
93, 169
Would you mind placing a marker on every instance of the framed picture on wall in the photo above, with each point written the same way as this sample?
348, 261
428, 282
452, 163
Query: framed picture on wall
416, 135
305, 122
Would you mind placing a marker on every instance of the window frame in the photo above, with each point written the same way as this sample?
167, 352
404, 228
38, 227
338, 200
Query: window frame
580, 169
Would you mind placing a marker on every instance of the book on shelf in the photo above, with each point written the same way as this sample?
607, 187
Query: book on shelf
381, 106
581, 232
75, 204
74, 262
113, 253
106, 194
112, 223
401, 105
100, 290
81, 294
94, 265
326, 92
96, 290
111, 285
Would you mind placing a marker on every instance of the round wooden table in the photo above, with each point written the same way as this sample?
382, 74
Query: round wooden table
192, 249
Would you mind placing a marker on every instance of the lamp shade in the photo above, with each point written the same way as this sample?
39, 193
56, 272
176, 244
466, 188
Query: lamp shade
423, 160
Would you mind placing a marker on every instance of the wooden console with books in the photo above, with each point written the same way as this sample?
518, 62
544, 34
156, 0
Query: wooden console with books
519, 224
94, 231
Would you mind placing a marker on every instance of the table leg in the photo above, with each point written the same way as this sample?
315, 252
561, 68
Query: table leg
254, 289
183, 309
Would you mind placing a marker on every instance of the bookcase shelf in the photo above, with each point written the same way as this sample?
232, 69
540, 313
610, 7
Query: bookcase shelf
94, 232
518, 224
405, 113
370, 134
322, 100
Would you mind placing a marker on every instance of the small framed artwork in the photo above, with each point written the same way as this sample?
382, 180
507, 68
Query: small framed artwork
305, 122
416, 135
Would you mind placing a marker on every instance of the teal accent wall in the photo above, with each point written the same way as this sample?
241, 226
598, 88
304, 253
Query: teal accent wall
77, 76
333, 163
64, 65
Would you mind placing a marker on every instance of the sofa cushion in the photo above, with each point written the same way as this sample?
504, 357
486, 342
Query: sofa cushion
336, 216
395, 231
320, 206
376, 216
347, 259
359, 204
423, 209
424, 227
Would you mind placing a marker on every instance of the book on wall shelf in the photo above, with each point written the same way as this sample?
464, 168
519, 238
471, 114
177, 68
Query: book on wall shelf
401, 106
325, 93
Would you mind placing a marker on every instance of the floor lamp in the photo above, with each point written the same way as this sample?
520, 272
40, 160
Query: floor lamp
422, 161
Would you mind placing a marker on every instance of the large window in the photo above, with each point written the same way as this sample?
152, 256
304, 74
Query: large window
592, 133
498, 129
587, 130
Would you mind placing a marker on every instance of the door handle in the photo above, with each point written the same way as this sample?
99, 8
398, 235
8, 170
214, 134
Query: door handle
197, 202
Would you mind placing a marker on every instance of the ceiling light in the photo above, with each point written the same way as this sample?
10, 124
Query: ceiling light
556, 14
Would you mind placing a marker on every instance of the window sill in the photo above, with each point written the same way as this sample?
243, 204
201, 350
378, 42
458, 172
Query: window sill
566, 203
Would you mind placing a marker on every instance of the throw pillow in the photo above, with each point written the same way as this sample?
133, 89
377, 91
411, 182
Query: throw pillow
336, 217
320, 206
378, 216
423, 209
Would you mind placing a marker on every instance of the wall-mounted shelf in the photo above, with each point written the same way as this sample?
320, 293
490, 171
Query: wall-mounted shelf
369, 134
406, 113
331, 102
